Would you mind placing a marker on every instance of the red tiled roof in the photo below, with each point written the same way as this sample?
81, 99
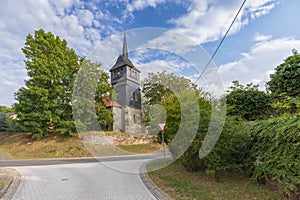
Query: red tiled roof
109, 103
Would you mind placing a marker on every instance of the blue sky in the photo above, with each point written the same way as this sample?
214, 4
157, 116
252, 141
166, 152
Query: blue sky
264, 34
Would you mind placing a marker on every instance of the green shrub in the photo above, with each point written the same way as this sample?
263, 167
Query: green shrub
275, 152
248, 102
229, 152
3, 122
231, 149
286, 106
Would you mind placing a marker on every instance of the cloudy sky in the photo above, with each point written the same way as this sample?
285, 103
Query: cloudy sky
264, 34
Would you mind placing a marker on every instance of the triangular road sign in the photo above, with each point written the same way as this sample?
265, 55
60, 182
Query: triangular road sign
161, 126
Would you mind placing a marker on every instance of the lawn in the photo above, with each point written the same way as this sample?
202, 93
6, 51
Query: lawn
179, 184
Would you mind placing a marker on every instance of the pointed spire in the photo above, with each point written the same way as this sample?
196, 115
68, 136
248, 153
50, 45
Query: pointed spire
125, 52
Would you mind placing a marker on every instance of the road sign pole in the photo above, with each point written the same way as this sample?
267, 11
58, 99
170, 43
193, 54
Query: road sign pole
161, 126
163, 143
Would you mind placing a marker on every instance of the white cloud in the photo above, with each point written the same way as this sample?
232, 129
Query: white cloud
81, 22
107, 50
261, 38
85, 17
156, 66
138, 5
61, 6
141, 4
172, 41
256, 65
68, 19
258, 8
208, 20
12, 78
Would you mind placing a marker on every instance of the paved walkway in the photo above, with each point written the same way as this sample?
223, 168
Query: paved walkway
107, 180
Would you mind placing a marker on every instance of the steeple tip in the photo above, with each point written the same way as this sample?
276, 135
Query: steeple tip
125, 51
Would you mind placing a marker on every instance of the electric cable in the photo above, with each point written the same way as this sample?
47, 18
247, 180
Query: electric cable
217, 49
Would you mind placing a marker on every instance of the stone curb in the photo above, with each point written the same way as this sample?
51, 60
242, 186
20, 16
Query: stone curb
152, 187
12, 185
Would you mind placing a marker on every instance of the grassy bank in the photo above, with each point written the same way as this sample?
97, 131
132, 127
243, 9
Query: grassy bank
21, 146
141, 148
179, 184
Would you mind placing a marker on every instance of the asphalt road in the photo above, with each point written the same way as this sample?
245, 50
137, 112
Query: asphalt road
112, 178
34, 162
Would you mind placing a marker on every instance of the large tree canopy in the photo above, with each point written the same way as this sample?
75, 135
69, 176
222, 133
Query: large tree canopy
159, 85
247, 102
286, 79
168, 97
44, 105
91, 86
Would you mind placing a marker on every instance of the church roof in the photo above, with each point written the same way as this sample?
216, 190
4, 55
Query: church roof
123, 59
108, 102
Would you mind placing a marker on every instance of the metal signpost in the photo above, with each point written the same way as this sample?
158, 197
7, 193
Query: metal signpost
161, 126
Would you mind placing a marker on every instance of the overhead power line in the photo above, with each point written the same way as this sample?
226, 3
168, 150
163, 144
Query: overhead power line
217, 49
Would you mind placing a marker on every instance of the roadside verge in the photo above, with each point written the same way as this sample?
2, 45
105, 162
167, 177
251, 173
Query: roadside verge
14, 179
152, 187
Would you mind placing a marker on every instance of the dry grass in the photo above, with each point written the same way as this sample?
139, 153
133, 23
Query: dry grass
101, 132
23, 147
3, 178
141, 148
180, 184
2, 183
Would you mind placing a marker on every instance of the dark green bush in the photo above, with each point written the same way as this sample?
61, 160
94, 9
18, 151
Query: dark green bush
3, 122
229, 152
275, 152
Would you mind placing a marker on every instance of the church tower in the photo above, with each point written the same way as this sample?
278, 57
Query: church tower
125, 77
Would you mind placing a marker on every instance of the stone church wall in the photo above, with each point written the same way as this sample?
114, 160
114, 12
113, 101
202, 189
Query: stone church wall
118, 124
133, 120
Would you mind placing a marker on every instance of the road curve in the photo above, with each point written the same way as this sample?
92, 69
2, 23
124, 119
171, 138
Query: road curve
112, 178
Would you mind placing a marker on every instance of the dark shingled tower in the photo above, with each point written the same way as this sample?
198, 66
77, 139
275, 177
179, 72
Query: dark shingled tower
126, 79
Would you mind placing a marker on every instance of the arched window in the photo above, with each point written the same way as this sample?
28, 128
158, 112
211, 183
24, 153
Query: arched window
133, 97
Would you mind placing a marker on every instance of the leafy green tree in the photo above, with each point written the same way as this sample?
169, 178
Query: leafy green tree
91, 86
165, 96
285, 81
286, 106
190, 159
6, 109
3, 122
248, 102
44, 105
159, 85
8, 123
284, 86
